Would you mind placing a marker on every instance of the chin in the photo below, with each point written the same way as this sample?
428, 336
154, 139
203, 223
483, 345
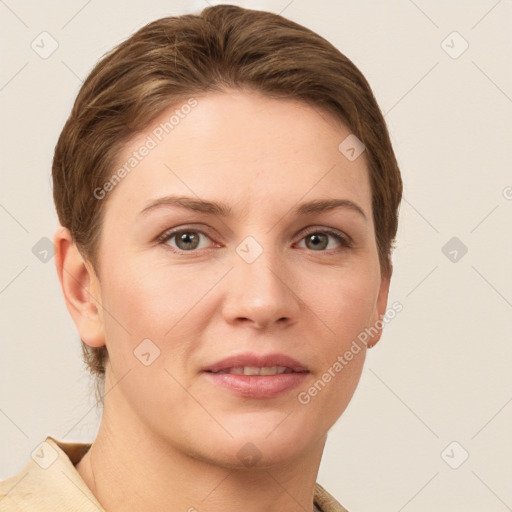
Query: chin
253, 455
261, 441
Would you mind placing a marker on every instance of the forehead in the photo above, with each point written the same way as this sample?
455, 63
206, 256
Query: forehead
241, 148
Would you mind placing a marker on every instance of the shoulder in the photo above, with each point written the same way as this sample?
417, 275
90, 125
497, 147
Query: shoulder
15, 492
6, 502
325, 502
49, 481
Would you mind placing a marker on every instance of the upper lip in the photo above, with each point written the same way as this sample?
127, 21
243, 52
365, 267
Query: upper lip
257, 361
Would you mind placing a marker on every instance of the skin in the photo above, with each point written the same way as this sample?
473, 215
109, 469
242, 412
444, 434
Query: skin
169, 438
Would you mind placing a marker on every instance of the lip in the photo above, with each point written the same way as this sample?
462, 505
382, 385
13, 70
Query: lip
257, 386
254, 386
258, 360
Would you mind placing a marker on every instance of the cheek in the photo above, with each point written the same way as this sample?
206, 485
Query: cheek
343, 310
162, 304
149, 297
345, 303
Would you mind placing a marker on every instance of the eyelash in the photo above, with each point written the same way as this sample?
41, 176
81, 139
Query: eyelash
344, 241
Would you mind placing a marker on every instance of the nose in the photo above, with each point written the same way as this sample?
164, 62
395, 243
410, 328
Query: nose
261, 294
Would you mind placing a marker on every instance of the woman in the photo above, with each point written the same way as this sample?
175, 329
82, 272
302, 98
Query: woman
228, 199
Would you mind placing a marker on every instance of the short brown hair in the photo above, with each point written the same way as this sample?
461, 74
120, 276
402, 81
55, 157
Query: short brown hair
224, 47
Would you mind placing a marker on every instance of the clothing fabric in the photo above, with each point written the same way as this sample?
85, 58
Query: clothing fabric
50, 482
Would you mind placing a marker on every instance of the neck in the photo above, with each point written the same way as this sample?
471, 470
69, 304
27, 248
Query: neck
128, 468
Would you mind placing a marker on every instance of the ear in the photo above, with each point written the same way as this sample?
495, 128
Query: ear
81, 289
380, 309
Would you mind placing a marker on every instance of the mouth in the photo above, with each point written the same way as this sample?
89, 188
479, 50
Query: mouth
257, 376
257, 364
254, 370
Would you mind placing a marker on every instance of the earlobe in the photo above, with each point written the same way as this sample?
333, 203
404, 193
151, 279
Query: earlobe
80, 287
380, 310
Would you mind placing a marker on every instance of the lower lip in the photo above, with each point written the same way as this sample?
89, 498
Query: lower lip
257, 386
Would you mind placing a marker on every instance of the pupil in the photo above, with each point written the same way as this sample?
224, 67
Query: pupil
187, 239
316, 240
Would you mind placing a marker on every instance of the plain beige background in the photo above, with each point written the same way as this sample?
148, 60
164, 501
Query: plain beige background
441, 373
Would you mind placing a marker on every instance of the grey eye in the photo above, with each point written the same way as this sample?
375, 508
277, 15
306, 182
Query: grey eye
317, 241
186, 240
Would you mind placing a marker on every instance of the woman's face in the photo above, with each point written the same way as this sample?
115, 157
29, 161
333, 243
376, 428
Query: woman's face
267, 277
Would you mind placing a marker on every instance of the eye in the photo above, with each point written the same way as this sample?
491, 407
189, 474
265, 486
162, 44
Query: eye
318, 239
184, 239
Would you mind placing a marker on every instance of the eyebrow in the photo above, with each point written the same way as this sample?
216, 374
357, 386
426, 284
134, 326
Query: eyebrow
223, 210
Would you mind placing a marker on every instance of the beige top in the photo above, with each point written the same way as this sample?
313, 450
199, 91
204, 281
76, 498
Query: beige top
50, 482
